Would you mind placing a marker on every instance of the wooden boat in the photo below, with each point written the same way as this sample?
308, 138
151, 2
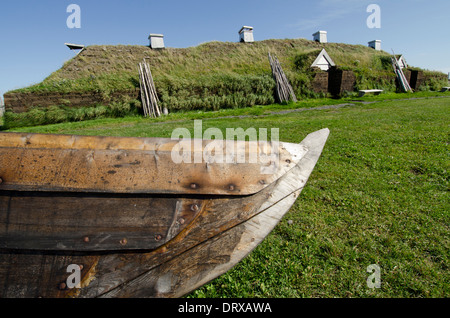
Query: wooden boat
120, 214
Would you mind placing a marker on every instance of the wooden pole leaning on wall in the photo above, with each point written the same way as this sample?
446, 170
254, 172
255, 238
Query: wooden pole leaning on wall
284, 89
400, 75
149, 97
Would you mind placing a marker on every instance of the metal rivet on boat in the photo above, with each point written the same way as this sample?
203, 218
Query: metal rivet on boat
194, 186
62, 286
231, 187
194, 207
181, 220
123, 241
86, 239
288, 161
158, 237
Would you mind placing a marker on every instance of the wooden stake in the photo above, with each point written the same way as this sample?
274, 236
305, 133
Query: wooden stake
149, 96
400, 75
284, 90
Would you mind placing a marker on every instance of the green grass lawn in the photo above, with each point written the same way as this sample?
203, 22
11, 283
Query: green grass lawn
378, 195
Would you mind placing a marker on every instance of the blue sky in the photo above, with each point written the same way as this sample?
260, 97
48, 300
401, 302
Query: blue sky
33, 33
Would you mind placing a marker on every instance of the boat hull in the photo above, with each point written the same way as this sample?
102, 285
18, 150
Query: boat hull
188, 240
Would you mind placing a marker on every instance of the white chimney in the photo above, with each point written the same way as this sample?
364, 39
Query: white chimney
246, 34
320, 36
156, 41
375, 44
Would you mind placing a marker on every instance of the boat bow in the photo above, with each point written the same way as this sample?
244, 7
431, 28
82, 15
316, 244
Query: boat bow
137, 224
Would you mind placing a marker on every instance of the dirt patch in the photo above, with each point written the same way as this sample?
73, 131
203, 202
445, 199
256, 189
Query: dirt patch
22, 102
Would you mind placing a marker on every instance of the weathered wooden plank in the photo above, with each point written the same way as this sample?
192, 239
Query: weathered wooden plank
91, 222
32, 275
206, 261
218, 215
111, 270
39, 162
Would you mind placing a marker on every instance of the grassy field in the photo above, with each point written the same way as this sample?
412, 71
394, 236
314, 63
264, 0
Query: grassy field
378, 195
